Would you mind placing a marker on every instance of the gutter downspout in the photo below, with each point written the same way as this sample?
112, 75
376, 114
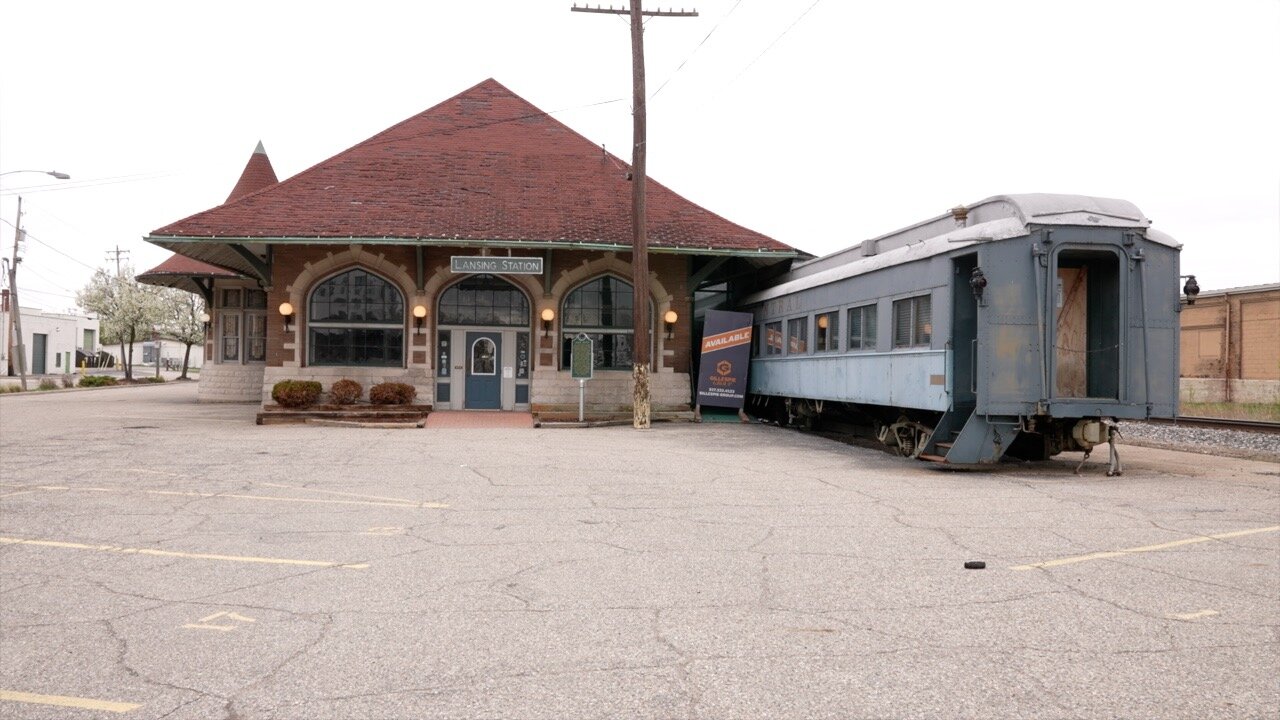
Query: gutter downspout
1226, 352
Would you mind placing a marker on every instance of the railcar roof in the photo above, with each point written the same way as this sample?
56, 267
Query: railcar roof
1001, 217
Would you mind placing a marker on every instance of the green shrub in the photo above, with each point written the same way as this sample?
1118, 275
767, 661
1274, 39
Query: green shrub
345, 392
296, 393
97, 381
155, 379
10, 388
47, 384
392, 393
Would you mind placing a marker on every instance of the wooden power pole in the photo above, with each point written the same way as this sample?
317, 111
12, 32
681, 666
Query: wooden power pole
642, 342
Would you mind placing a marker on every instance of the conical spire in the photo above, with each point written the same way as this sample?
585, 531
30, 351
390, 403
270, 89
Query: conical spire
257, 174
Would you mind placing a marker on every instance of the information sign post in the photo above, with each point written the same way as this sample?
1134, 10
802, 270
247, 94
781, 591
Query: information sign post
582, 366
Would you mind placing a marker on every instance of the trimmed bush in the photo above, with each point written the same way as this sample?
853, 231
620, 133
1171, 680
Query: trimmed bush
392, 393
295, 393
47, 384
155, 379
345, 392
98, 381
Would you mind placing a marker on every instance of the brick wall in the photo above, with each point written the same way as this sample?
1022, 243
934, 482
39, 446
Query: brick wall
297, 268
1230, 347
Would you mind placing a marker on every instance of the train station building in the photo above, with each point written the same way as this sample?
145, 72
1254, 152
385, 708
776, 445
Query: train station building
459, 251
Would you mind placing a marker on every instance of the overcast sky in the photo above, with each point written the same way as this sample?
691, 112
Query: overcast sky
819, 124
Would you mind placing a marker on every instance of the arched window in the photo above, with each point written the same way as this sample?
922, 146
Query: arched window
484, 300
600, 308
356, 318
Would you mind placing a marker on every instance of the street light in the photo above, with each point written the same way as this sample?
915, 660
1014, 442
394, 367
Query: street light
13, 337
54, 173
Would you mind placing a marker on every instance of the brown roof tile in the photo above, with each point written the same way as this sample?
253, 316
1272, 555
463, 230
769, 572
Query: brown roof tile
483, 165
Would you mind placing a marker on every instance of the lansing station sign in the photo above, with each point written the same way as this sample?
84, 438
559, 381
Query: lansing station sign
496, 265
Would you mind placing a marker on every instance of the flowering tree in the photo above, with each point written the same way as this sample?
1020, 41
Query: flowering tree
126, 310
182, 321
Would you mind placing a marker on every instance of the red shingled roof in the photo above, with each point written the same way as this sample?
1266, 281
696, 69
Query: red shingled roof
181, 265
483, 165
257, 174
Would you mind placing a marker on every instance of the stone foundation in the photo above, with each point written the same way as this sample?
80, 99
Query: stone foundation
230, 383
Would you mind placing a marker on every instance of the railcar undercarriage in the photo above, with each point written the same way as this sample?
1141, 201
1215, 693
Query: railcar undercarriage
930, 436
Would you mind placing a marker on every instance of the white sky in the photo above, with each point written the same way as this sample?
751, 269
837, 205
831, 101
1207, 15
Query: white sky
859, 119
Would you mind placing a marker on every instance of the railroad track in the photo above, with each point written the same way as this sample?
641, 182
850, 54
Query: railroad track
1221, 423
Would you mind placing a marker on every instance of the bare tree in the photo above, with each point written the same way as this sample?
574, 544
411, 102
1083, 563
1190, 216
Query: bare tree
126, 310
182, 322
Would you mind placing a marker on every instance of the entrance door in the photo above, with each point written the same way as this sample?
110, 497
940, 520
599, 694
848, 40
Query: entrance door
39, 349
484, 381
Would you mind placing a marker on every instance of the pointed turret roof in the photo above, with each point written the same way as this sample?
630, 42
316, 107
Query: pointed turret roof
257, 174
484, 167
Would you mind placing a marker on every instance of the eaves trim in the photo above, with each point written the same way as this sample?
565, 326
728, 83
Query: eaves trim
165, 240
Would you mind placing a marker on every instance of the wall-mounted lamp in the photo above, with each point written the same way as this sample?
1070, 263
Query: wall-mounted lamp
204, 318
1191, 289
287, 311
419, 312
670, 318
823, 322
547, 316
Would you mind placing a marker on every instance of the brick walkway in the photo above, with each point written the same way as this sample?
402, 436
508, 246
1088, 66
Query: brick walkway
478, 419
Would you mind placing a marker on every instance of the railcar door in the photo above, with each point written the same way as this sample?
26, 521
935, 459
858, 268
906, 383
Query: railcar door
964, 334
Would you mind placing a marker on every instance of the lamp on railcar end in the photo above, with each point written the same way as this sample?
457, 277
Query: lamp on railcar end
977, 283
1191, 289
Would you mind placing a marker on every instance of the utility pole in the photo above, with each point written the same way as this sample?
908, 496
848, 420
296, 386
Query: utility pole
639, 239
19, 353
117, 252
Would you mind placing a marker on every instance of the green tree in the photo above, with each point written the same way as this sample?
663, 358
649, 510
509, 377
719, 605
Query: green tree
126, 309
182, 321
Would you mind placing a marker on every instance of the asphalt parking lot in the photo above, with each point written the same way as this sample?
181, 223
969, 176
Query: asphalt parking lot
165, 559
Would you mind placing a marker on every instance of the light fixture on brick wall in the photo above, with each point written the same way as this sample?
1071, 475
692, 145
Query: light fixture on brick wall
547, 316
419, 312
670, 318
286, 310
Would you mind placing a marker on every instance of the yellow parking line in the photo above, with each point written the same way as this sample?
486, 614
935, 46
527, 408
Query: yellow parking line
416, 503
71, 702
172, 553
1145, 548
394, 502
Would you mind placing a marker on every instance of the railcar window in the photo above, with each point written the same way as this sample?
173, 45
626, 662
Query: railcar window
773, 338
798, 336
756, 332
912, 321
826, 334
862, 328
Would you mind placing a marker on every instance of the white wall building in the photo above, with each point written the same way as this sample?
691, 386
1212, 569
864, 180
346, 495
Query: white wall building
50, 340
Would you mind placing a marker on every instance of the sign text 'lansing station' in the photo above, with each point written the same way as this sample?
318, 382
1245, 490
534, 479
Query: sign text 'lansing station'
496, 265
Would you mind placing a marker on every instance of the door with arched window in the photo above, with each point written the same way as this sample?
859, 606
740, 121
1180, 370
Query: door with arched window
483, 349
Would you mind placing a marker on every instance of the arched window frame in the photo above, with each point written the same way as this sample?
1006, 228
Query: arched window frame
442, 304
393, 329
605, 337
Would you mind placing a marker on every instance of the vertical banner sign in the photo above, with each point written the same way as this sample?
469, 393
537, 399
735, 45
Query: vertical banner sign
726, 354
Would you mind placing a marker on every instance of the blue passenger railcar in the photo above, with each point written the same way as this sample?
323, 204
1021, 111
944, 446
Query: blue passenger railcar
1036, 319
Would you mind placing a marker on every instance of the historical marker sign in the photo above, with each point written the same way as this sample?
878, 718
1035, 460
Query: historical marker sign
582, 358
496, 265
726, 354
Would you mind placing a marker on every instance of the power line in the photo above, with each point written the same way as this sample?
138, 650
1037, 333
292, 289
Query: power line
775, 41
695, 50
118, 180
29, 236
